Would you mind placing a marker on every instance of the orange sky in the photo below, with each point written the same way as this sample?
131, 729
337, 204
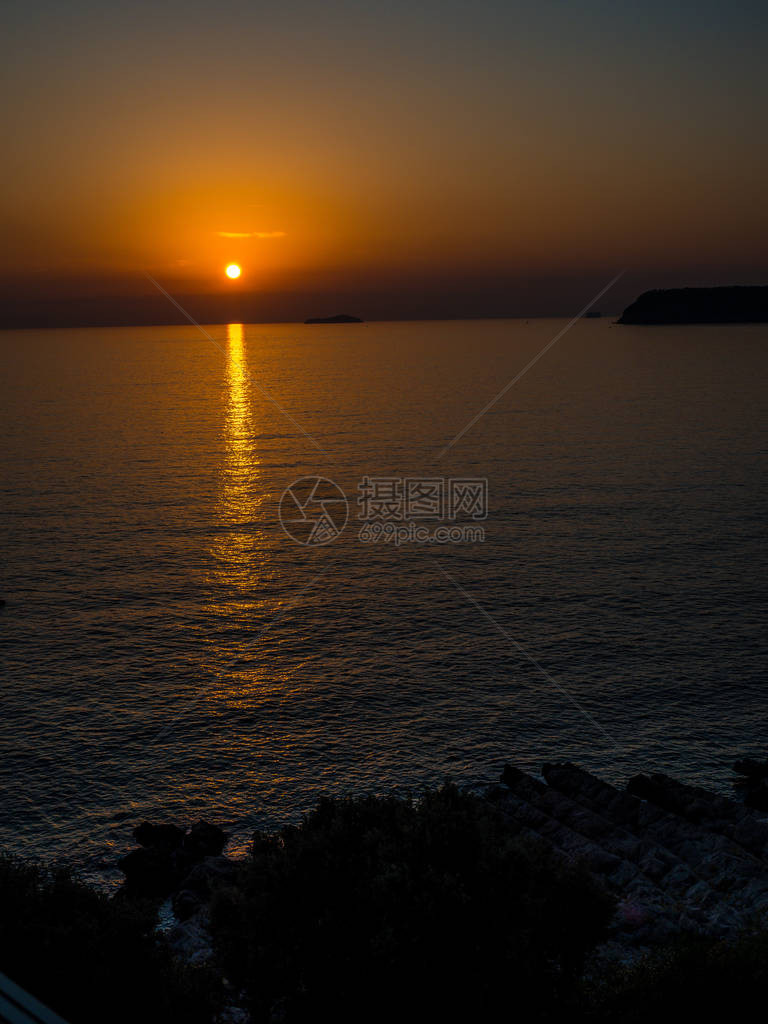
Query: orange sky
356, 148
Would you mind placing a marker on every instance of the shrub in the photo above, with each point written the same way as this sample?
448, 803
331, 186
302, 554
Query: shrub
384, 908
693, 979
89, 958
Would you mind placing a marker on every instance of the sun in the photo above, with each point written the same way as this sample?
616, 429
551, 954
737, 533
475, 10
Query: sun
233, 271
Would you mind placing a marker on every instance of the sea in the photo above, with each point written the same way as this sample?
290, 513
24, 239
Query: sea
245, 566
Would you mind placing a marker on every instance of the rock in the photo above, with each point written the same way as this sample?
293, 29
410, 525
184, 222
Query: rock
148, 871
186, 904
168, 855
233, 1015
205, 840
632, 915
752, 834
753, 784
208, 874
756, 795
692, 865
751, 769
679, 859
716, 813
512, 776
163, 837
191, 940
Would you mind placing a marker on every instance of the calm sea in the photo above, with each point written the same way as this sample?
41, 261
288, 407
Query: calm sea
169, 652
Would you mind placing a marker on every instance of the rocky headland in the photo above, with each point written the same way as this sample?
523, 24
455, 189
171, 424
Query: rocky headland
734, 305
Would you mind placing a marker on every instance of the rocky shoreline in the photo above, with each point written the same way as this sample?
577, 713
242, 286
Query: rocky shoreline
679, 859
182, 867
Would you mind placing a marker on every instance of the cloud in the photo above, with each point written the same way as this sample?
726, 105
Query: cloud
251, 234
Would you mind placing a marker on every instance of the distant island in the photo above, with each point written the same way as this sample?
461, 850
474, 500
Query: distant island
734, 305
340, 318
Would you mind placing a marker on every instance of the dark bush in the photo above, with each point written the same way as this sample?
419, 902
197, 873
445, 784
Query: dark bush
89, 958
695, 979
377, 909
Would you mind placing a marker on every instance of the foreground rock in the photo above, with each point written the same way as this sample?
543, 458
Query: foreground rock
162, 837
196, 889
752, 782
751, 769
738, 305
679, 859
167, 855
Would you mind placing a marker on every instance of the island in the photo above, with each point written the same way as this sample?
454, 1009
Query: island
740, 304
340, 318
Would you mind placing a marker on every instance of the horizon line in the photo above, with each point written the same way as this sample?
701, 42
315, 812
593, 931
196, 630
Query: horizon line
265, 323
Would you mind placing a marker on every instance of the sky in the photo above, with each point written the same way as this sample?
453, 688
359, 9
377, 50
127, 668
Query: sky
390, 160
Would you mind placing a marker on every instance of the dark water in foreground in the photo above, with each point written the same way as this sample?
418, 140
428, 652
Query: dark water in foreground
168, 652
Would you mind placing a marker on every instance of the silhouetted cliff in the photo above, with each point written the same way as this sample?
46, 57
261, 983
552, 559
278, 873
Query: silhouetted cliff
737, 305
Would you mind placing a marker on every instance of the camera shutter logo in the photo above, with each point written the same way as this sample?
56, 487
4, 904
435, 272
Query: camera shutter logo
313, 511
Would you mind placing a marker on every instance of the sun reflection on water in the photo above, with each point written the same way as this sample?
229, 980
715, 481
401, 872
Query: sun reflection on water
242, 575
241, 496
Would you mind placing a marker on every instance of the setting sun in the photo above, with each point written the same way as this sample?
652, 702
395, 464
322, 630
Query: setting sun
233, 270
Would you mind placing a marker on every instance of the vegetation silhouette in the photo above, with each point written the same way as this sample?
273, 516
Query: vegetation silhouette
397, 909
91, 959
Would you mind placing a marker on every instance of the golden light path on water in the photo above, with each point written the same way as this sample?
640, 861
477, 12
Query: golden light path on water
239, 497
236, 553
238, 573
